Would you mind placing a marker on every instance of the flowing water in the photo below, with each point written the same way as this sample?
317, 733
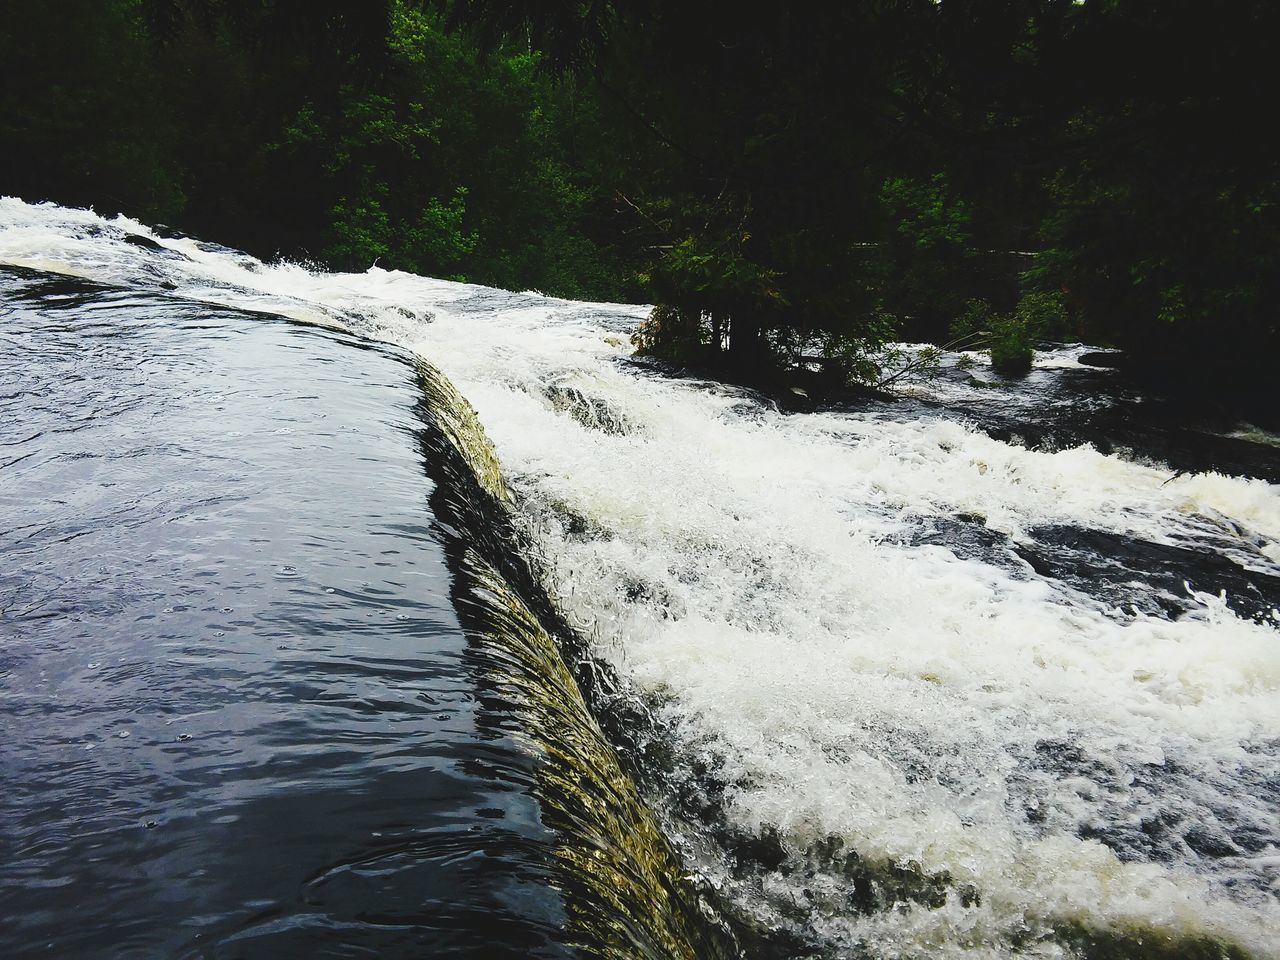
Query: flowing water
272, 684
991, 670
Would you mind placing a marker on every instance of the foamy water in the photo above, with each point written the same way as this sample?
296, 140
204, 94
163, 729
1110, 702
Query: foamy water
1049, 761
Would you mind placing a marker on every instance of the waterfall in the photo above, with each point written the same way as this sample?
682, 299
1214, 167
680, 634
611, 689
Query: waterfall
902, 686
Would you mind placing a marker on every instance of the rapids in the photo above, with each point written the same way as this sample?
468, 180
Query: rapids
990, 671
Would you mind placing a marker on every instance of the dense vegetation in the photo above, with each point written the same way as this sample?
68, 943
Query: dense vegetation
785, 180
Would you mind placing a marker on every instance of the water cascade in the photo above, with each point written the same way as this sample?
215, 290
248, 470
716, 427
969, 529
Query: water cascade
980, 672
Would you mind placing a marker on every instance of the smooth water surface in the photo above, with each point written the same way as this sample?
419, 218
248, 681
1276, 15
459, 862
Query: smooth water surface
238, 713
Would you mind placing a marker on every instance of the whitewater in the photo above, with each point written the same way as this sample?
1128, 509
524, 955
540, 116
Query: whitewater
1051, 767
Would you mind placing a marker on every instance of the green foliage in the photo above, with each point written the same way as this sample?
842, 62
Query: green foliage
364, 233
1010, 346
1182, 272
361, 153
345, 133
785, 180
925, 261
450, 165
926, 216
973, 321
1042, 314
862, 357
1010, 337
670, 334
718, 273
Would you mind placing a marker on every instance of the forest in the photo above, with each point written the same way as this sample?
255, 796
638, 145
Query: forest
786, 183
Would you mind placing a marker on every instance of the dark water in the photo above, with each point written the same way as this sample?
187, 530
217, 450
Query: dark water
1057, 408
252, 698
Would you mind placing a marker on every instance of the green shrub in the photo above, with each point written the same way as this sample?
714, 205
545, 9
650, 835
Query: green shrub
669, 333
1010, 338
1010, 346
1043, 314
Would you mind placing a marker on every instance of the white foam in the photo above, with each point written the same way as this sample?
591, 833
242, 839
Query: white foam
929, 710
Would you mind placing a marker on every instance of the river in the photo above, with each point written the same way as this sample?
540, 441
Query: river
990, 670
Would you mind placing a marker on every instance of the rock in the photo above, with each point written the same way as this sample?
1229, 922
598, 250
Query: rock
140, 241
1109, 359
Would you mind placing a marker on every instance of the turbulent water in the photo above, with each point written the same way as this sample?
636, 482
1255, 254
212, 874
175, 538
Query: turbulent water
988, 671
